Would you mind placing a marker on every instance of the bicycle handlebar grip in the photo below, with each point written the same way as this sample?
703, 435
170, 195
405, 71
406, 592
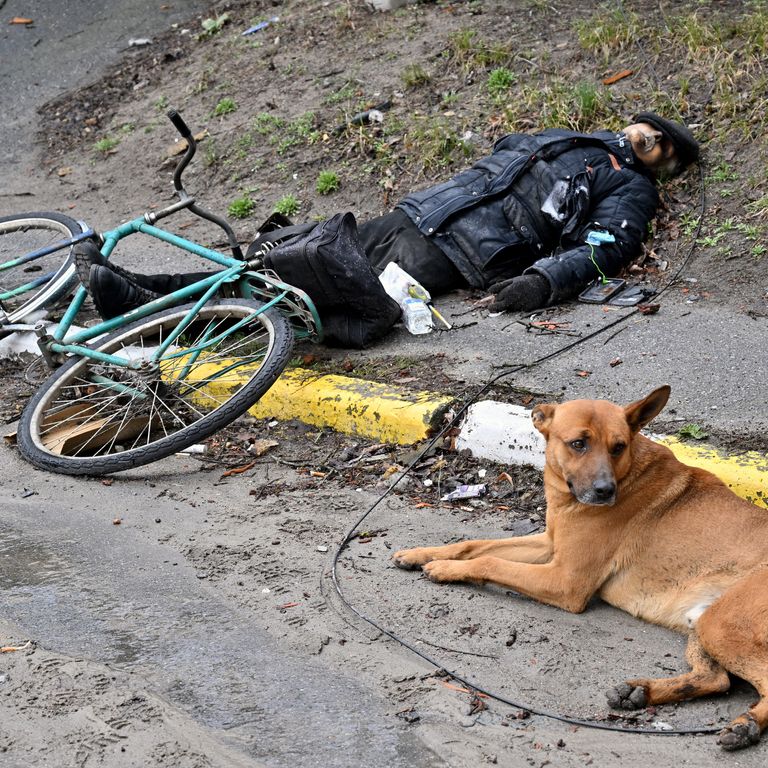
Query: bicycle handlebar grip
179, 124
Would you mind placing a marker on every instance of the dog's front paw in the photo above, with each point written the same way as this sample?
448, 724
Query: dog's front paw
445, 570
410, 559
742, 732
625, 696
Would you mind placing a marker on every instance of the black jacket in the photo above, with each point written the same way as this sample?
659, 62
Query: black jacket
529, 206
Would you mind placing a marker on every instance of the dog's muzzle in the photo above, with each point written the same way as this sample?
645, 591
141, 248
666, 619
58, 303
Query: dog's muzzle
602, 492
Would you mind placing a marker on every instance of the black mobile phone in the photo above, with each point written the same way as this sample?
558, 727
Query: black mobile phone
631, 296
599, 292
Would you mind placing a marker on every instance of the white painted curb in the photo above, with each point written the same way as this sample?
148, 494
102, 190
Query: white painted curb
501, 432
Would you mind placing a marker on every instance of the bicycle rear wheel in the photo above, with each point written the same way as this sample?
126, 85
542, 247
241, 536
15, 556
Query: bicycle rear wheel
94, 418
28, 286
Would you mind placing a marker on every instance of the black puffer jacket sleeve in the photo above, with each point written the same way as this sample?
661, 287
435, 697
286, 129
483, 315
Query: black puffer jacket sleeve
625, 202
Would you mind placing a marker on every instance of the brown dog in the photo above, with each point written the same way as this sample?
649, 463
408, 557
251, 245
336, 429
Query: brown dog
666, 542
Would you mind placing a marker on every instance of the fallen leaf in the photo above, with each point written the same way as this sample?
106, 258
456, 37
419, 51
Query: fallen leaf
648, 309
463, 690
611, 79
238, 470
260, 447
180, 146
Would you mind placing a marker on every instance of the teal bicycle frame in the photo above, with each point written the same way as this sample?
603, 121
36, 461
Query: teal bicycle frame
293, 302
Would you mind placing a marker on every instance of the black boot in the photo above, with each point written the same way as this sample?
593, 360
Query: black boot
87, 254
114, 294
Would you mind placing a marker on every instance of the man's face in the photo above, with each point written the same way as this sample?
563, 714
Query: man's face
651, 148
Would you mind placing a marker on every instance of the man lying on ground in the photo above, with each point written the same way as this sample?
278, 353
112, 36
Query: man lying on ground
516, 223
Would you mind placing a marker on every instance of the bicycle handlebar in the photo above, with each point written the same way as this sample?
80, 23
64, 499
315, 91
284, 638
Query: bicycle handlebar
179, 124
185, 201
183, 129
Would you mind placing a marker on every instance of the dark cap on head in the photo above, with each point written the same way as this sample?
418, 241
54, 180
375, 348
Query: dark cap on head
686, 146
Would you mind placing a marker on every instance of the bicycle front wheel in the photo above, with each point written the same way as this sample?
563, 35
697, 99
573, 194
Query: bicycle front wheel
93, 417
34, 272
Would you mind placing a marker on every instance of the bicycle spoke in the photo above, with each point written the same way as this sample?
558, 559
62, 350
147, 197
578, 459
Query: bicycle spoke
97, 412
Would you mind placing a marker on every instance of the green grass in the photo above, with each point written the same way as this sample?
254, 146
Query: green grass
609, 30
213, 26
581, 106
288, 205
225, 107
327, 182
107, 144
414, 75
722, 172
500, 81
241, 208
692, 431
468, 52
266, 124
437, 145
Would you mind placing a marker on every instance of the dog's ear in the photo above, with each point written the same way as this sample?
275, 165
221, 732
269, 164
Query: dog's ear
643, 411
541, 416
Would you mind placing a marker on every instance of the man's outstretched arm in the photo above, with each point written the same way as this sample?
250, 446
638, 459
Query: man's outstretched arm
623, 212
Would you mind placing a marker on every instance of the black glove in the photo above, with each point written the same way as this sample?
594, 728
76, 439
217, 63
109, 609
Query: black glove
520, 294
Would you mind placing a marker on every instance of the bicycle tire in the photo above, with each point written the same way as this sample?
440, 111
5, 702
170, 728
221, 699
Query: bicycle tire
24, 232
77, 424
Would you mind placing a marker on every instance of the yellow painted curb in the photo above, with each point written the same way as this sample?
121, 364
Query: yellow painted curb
746, 474
353, 406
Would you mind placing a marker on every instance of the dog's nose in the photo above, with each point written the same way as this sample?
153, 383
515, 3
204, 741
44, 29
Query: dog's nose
604, 489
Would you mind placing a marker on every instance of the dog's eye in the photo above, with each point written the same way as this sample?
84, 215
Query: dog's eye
618, 449
578, 445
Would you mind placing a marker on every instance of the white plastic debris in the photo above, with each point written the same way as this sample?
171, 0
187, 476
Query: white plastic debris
194, 449
465, 492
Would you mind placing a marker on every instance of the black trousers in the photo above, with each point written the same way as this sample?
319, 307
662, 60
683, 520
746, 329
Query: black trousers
392, 237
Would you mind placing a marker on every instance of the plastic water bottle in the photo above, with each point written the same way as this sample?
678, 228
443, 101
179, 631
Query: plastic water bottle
416, 316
